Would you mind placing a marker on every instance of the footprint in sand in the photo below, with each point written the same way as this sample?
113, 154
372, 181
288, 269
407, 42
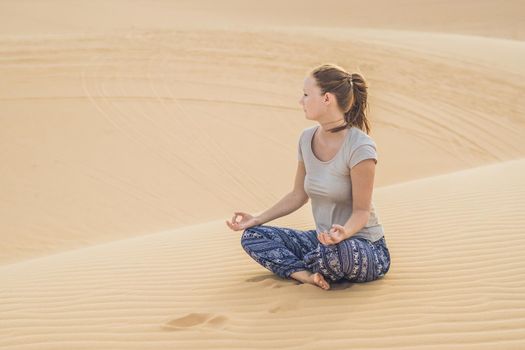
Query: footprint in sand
194, 320
283, 307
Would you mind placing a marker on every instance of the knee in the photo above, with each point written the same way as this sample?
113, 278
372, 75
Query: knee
386, 267
244, 236
247, 235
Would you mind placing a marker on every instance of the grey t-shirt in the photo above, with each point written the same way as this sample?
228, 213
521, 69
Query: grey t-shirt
329, 184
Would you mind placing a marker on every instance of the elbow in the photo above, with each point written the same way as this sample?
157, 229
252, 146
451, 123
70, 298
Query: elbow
364, 214
304, 200
302, 197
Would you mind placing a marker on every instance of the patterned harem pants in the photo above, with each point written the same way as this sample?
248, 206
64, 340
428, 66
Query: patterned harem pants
284, 251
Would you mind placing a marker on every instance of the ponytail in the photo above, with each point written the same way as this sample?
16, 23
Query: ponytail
356, 115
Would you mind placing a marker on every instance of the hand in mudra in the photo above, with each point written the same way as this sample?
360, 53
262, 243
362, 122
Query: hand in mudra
246, 221
336, 234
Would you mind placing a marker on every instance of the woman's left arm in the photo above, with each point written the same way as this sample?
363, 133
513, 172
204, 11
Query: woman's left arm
362, 186
362, 174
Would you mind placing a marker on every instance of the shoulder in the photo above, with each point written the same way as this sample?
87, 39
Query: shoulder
309, 129
306, 131
362, 147
359, 138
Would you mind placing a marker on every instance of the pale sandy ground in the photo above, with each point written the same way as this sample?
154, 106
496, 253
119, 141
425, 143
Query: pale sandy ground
130, 130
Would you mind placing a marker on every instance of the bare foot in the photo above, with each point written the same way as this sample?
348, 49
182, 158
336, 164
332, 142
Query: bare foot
318, 280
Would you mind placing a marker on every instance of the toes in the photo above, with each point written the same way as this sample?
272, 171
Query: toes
321, 282
325, 284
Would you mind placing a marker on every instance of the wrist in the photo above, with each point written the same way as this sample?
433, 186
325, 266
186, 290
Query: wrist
347, 233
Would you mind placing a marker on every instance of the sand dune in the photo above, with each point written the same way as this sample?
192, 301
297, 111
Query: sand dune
457, 244
126, 141
109, 149
487, 18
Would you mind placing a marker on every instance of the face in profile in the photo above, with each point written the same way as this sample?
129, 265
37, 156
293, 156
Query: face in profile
311, 101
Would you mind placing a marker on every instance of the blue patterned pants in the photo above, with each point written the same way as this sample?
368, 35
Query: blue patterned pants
284, 251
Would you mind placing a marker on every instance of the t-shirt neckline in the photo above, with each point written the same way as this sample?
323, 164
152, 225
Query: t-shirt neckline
340, 150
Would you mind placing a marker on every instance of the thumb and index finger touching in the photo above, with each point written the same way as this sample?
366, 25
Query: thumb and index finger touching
238, 213
234, 224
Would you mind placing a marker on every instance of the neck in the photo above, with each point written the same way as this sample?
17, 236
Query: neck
331, 124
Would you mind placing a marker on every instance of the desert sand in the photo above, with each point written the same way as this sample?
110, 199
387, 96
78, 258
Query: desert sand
130, 131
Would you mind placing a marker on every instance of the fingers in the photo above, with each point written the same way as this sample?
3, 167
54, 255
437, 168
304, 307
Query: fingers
238, 213
322, 237
325, 238
234, 224
231, 224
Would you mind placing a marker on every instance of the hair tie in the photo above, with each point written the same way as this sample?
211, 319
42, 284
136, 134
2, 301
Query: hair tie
351, 81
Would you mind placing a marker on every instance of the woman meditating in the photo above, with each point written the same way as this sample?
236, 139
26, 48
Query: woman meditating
336, 168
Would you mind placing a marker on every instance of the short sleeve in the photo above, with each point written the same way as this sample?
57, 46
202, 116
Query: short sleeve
299, 151
362, 152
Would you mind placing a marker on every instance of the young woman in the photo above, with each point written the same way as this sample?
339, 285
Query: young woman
336, 168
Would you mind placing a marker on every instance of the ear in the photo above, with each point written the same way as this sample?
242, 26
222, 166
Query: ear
329, 98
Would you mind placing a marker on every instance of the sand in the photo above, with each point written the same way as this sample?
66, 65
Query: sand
130, 131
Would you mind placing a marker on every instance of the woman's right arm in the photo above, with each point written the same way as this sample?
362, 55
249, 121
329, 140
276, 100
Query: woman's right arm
288, 204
